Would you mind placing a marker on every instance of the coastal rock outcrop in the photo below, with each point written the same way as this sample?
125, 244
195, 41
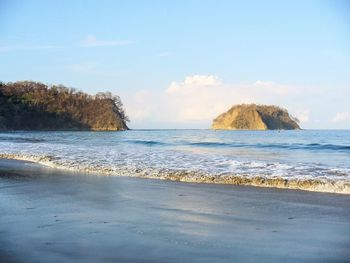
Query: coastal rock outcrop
255, 117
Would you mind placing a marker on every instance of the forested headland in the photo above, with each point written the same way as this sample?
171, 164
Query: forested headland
28, 105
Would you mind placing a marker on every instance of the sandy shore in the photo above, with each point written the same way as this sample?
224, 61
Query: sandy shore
48, 215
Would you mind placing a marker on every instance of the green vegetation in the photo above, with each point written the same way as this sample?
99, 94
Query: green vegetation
27, 105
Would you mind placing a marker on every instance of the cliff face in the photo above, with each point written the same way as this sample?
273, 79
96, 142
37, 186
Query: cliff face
255, 117
30, 105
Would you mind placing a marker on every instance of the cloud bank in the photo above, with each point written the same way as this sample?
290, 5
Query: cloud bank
341, 117
198, 99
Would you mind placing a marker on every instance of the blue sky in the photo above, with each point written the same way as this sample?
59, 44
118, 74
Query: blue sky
177, 64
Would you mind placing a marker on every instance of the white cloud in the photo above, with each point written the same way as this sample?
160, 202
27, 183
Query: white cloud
140, 107
302, 115
341, 117
200, 98
92, 41
193, 83
203, 97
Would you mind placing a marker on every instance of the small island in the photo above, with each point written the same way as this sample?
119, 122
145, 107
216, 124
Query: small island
28, 105
255, 117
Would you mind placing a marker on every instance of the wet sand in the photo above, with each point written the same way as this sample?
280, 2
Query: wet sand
48, 215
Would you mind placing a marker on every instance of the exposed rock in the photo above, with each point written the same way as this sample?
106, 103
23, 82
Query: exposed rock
255, 117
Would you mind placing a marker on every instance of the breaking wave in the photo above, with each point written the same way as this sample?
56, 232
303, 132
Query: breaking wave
308, 160
322, 184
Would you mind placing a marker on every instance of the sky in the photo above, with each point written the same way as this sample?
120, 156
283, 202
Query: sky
179, 64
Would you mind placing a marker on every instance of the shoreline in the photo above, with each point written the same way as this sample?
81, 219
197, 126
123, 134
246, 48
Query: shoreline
51, 215
324, 186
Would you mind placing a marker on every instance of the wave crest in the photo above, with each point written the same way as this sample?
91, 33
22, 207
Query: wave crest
318, 185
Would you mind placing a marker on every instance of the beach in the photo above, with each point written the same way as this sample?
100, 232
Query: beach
175, 131
53, 215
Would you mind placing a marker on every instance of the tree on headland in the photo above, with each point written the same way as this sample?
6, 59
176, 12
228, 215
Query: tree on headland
28, 105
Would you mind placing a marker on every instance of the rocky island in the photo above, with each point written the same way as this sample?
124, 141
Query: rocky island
28, 105
255, 117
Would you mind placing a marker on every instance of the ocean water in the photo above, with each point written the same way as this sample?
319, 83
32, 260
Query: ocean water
194, 155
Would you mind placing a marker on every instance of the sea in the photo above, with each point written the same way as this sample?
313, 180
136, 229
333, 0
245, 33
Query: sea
316, 160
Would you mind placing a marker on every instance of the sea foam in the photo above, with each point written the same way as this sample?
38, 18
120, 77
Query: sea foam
194, 156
